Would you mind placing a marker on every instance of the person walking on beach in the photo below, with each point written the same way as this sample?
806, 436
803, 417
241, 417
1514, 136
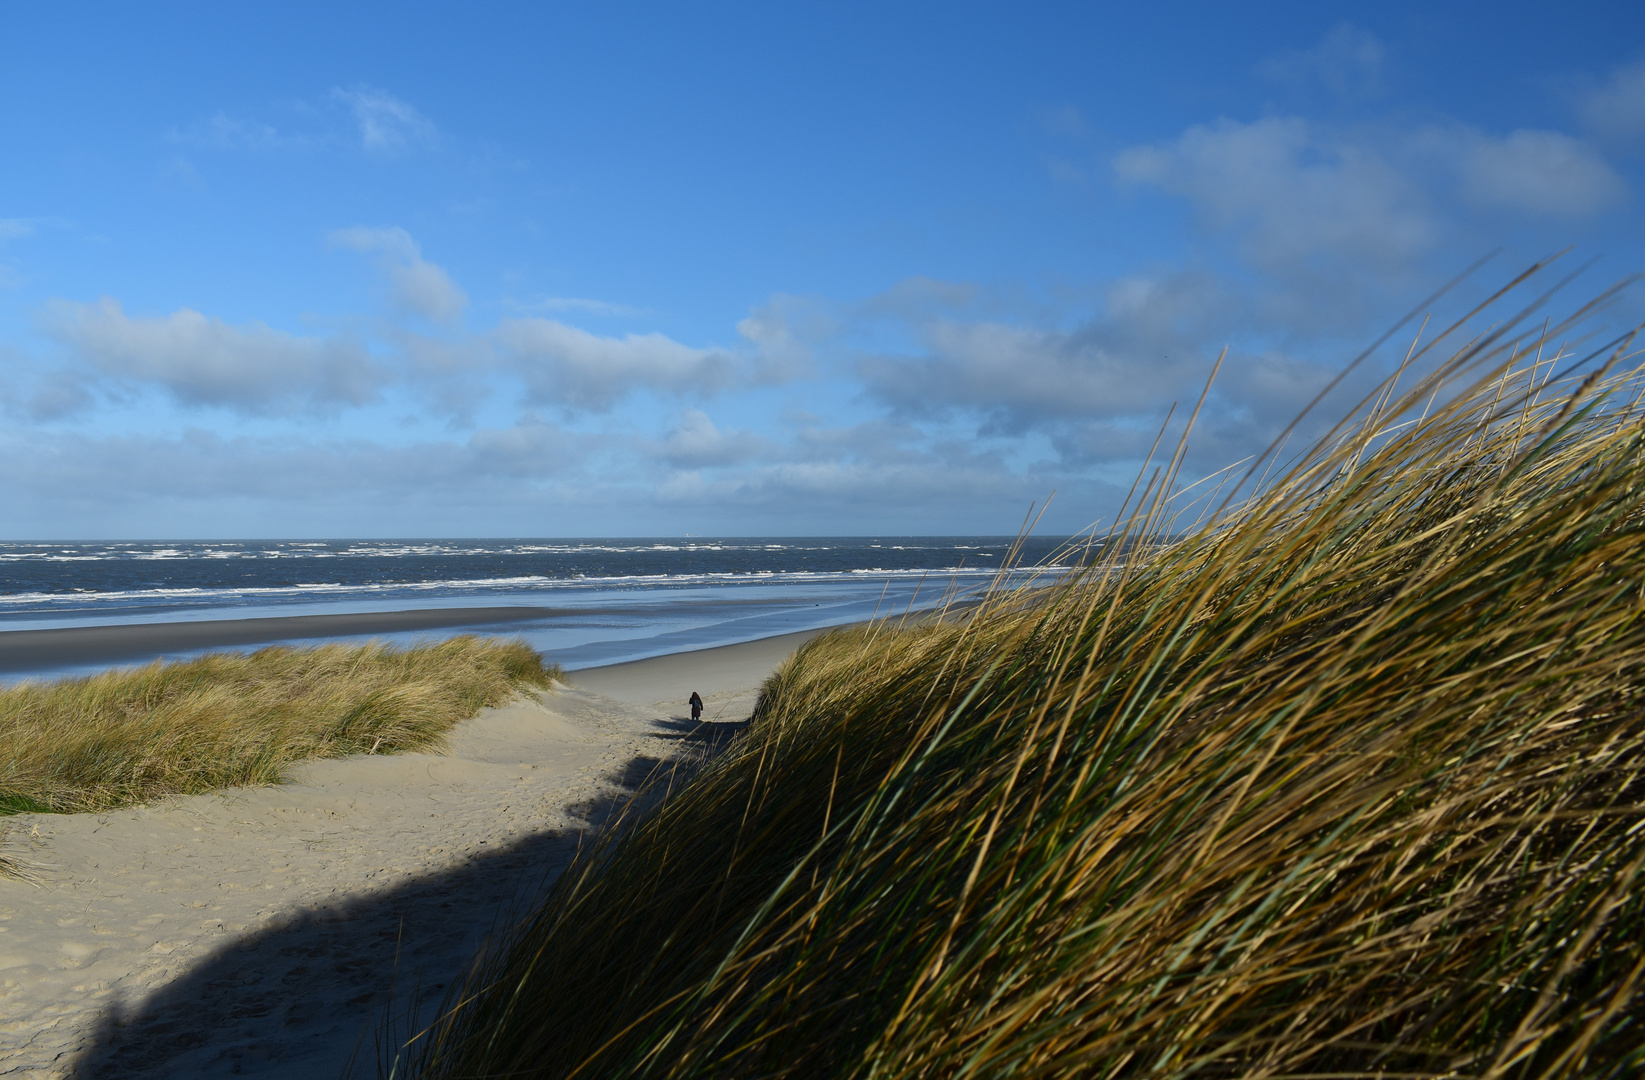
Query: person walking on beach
696, 704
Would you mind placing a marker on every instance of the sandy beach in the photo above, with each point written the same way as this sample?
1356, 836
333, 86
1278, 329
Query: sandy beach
266, 931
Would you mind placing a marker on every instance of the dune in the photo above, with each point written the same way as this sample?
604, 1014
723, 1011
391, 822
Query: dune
266, 931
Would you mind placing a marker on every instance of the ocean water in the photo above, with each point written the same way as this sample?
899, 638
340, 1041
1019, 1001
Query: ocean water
611, 600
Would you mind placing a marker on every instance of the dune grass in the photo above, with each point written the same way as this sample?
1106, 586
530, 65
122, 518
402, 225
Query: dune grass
130, 736
1347, 782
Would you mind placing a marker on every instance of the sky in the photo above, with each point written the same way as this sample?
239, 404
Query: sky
328, 270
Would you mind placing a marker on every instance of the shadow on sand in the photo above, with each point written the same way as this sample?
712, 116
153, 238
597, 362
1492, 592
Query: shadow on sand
305, 998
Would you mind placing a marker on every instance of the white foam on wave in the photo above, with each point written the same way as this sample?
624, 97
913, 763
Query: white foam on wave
393, 549
476, 587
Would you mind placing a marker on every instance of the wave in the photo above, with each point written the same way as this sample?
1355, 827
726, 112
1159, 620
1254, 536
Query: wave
310, 591
218, 550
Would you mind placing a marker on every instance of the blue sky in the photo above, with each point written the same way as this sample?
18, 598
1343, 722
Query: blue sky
622, 269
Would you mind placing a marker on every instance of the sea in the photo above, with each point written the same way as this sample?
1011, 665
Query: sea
606, 600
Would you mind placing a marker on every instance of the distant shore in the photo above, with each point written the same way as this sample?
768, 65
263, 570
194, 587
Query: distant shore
29, 650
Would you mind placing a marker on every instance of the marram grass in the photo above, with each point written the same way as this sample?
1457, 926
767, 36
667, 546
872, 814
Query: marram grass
1346, 783
130, 736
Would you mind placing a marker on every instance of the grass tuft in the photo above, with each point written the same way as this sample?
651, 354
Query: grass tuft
131, 736
1348, 781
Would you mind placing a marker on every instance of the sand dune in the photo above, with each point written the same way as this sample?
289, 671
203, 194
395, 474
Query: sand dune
261, 931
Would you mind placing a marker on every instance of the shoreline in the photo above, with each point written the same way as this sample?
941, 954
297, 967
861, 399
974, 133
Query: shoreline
715, 669
41, 649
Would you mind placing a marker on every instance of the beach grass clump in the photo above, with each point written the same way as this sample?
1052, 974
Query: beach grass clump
1347, 781
131, 736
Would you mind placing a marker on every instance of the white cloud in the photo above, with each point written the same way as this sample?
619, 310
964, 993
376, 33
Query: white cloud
1537, 172
574, 369
1146, 347
12, 228
199, 466
578, 303
224, 132
1293, 192
387, 125
1097, 393
1347, 61
1616, 109
415, 284
32, 392
179, 171
426, 289
881, 475
1022, 374
696, 443
785, 331
1098, 404
1019, 378
393, 242
531, 448
1064, 122
204, 361
921, 297
1364, 200
377, 121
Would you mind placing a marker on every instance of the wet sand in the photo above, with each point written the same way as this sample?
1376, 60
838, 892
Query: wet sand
709, 671
265, 931
28, 650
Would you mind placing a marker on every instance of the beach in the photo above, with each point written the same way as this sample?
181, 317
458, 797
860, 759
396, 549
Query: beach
270, 931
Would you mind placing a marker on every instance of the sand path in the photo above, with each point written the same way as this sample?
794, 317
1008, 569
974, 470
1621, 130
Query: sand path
261, 931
